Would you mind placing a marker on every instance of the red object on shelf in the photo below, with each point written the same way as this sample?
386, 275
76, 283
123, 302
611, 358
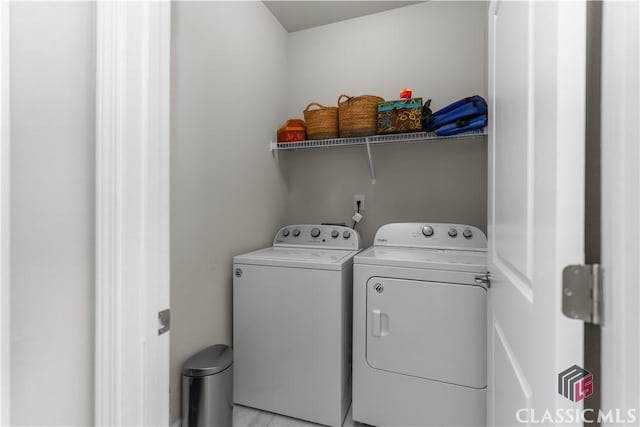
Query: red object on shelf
292, 131
406, 93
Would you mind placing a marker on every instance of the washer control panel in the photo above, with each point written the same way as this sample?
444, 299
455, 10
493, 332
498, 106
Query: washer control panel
431, 235
318, 236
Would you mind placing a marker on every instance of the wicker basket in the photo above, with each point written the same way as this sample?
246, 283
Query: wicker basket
321, 123
358, 115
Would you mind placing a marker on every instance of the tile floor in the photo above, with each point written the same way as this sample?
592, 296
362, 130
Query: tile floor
249, 417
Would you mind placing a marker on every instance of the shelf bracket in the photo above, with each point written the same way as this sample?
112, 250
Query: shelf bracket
373, 175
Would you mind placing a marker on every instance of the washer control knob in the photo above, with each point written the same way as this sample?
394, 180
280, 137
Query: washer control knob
427, 230
285, 232
315, 232
467, 233
346, 234
453, 232
296, 232
335, 234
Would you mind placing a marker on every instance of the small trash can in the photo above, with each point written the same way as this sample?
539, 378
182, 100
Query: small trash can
207, 382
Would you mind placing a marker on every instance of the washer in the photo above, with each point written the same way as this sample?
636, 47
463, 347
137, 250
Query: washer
419, 348
292, 312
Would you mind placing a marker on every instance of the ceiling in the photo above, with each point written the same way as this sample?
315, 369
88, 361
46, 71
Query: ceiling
300, 15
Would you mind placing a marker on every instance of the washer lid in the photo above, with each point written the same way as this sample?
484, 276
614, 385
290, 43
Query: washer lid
209, 361
280, 256
433, 259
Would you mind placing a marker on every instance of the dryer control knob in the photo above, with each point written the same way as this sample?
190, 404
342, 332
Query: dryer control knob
315, 232
285, 232
427, 231
453, 232
335, 234
346, 234
467, 233
296, 232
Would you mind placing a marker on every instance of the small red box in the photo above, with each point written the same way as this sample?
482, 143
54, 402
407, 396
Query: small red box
292, 131
406, 93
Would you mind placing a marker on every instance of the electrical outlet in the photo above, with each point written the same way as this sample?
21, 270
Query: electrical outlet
356, 198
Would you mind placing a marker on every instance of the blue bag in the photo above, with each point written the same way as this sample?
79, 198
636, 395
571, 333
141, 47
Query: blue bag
463, 125
462, 109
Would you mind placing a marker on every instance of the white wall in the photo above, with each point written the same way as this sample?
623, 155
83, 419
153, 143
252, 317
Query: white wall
229, 77
439, 49
52, 199
5, 303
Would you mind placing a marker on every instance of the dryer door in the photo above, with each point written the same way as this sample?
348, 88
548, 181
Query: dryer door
430, 330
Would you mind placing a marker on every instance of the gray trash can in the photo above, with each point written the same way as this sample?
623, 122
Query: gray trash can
207, 382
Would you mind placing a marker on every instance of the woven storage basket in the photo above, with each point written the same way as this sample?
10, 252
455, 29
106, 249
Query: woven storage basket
358, 115
321, 123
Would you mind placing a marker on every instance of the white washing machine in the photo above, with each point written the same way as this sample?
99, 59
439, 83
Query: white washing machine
419, 332
292, 312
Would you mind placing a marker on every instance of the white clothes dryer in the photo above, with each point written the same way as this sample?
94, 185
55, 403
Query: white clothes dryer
419, 338
292, 312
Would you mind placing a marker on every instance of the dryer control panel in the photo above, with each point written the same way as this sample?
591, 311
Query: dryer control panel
432, 235
318, 236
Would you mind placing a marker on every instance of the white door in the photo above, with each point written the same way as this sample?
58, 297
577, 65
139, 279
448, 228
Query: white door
621, 212
536, 204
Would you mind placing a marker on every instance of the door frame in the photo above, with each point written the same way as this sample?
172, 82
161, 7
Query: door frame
5, 138
620, 228
132, 212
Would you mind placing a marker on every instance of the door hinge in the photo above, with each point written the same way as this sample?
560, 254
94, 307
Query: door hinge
483, 280
164, 319
582, 293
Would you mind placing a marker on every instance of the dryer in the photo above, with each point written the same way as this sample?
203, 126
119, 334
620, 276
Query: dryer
292, 312
419, 327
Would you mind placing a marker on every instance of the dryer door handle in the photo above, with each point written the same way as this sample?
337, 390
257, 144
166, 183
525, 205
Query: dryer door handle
380, 323
376, 326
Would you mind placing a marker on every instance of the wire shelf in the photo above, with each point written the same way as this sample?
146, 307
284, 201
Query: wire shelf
375, 139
